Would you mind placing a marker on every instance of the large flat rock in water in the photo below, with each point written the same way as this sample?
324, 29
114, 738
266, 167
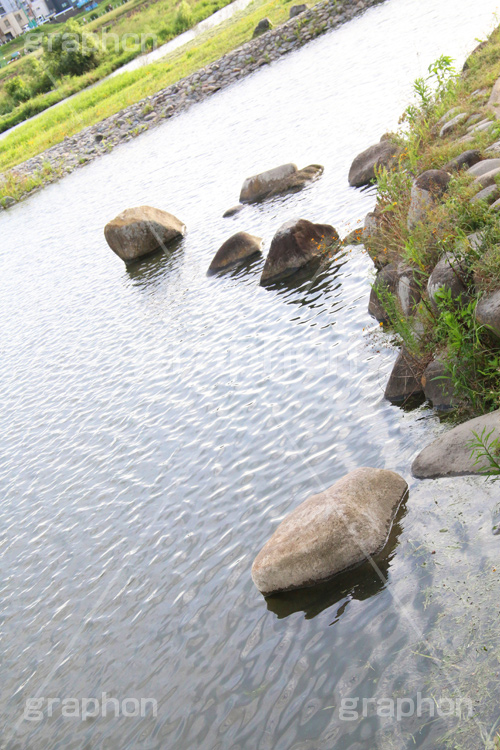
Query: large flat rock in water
330, 532
450, 455
260, 185
140, 231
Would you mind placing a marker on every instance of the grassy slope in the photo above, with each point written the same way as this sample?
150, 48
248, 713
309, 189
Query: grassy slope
109, 97
472, 353
136, 16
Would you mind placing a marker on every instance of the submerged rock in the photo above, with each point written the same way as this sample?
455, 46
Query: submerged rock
236, 249
330, 532
382, 154
405, 382
450, 455
232, 211
137, 232
286, 178
488, 312
294, 245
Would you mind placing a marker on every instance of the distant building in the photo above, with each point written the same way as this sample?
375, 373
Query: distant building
60, 6
40, 9
8, 6
12, 24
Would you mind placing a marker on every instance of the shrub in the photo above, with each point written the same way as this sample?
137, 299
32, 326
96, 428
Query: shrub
18, 90
183, 17
72, 51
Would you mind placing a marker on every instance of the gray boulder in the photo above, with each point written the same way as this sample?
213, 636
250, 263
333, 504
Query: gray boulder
405, 382
438, 386
487, 194
296, 10
294, 245
234, 250
482, 167
400, 281
385, 281
330, 532
408, 290
450, 454
453, 124
488, 312
383, 154
494, 100
487, 179
371, 226
426, 192
464, 161
263, 26
448, 274
286, 178
137, 232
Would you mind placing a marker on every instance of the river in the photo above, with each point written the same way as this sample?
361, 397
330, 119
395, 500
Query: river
157, 424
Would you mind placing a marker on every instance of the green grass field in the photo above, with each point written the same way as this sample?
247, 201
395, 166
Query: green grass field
139, 17
109, 97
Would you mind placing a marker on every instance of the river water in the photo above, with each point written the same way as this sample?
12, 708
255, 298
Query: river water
157, 424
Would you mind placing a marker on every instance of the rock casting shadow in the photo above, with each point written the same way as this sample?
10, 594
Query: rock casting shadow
358, 583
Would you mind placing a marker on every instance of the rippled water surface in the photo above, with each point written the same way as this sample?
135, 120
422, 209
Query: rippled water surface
157, 424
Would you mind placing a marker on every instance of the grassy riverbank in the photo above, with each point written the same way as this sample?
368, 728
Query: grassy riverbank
111, 96
446, 327
123, 33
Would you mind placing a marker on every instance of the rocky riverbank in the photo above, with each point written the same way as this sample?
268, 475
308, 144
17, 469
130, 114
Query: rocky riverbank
100, 139
434, 238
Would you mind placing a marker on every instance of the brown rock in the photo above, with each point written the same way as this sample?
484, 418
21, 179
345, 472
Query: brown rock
294, 245
236, 249
382, 154
405, 381
137, 232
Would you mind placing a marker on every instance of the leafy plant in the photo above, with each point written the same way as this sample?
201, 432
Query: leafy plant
72, 51
473, 360
430, 89
18, 90
484, 446
183, 18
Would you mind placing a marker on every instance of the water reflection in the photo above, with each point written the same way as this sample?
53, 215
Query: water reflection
145, 273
